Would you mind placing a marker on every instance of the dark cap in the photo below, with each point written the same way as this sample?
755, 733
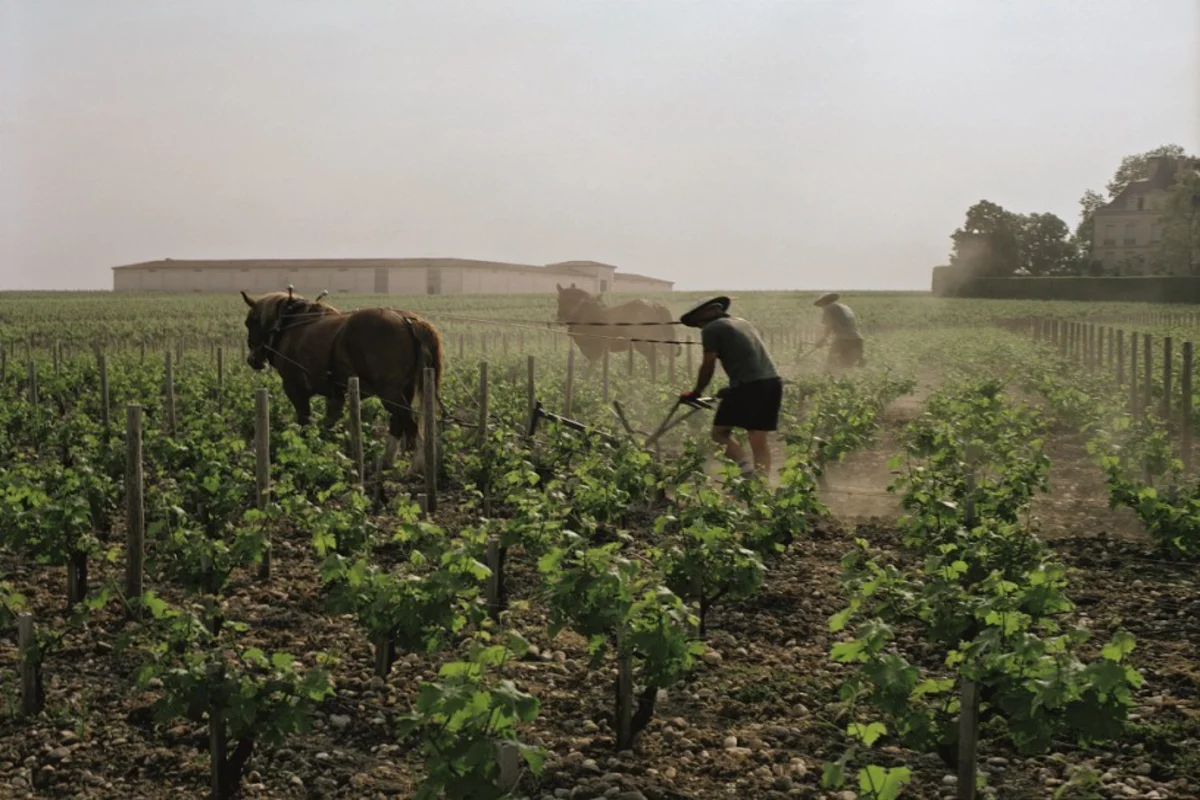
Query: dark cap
722, 303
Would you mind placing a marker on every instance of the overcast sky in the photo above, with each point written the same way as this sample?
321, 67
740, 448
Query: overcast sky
798, 144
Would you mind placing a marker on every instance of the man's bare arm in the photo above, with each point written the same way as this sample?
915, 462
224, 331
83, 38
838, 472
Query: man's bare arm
707, 366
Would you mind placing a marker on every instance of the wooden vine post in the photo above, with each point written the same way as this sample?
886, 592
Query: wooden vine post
32, 389
624, 705
1147, 370
569, 387
32, 697
495, 581
220, 374
1185, 407
169, 395
1120, 357
1133, 374
653, 363
429, 421
629, 364
968, 740
530, 393
1168, 357
215, 674
262, 466
356, 432
604, 376
135, 512
482, 434
102, 366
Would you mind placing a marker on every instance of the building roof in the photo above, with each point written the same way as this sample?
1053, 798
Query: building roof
1163, 171
625, 276
564, 268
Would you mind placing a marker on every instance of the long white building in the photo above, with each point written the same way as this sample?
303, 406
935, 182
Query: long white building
402, 276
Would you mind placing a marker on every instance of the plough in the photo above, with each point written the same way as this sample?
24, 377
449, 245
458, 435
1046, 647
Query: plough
694, 405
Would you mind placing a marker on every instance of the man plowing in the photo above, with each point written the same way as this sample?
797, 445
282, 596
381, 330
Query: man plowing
840, 323
751, 401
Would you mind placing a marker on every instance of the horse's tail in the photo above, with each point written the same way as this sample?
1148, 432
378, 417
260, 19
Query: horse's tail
429, 353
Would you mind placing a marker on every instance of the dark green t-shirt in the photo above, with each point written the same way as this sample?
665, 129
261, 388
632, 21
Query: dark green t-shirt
743, 355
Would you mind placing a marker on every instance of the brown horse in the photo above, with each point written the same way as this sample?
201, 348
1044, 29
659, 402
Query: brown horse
576, 305
316, 349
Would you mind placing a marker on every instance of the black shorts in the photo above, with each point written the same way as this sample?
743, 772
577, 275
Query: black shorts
752, 406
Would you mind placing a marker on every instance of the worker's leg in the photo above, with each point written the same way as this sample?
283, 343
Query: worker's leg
723, 435
761, 449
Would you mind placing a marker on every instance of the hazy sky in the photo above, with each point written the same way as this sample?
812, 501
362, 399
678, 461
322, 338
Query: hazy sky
723, 143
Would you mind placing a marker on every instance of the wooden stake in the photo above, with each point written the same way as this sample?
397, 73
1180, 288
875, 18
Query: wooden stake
483, 402
604, 376
569, 387
169, 395
385, 654
1185, 406
429, 420
135, 512
1120, 357
215, 673
1168, 357
31, 667
262, 466
530, 394
356, 431
624, 709
1147, 370
968, 740
32, 389
102, 366
1133, 374
495, 581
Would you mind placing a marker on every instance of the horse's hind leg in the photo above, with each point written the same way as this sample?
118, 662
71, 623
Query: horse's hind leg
333, 408
402, 430
301, 403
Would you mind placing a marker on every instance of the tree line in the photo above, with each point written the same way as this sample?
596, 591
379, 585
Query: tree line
996, 242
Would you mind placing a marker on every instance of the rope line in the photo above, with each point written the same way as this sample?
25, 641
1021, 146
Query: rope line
573, 334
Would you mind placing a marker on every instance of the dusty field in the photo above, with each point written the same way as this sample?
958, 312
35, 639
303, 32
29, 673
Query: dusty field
752, 722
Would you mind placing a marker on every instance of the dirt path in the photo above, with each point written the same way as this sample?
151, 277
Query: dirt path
856, 487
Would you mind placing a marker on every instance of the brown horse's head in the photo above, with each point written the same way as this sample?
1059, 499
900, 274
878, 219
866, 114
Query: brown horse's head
570, 300
262, 321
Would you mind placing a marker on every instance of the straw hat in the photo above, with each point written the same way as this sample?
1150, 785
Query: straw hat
721, 302
826, 299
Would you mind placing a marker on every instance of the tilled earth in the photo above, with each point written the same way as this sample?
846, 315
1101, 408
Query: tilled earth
754, 721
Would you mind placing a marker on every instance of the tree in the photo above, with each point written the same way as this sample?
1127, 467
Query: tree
986, 244
1045, 246
1179, 251
1137, 167
995, 242
1088, 204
